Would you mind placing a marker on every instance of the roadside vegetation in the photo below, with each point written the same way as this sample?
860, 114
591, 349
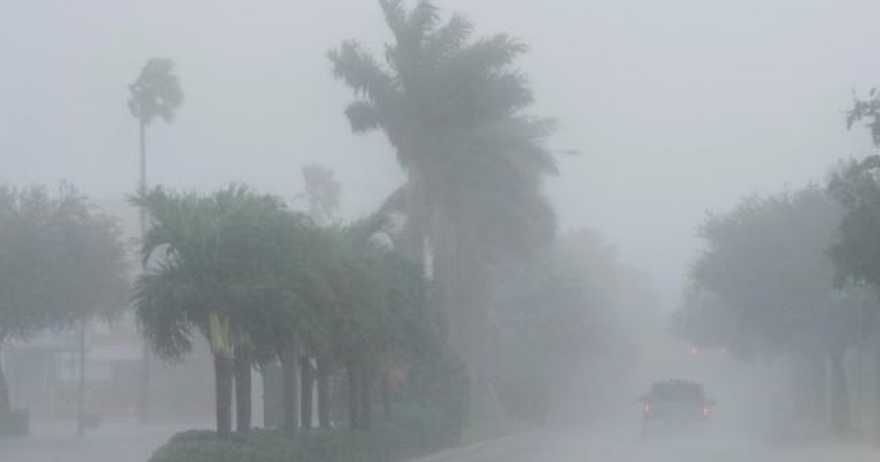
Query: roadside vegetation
456, 311
795, 275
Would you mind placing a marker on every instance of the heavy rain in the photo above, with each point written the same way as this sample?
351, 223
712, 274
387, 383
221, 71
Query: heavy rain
439, 230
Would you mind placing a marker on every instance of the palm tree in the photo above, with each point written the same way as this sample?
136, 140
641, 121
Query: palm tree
453, 109
218, 273
155, 93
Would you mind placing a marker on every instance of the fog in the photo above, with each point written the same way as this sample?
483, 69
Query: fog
667, 111
676, 107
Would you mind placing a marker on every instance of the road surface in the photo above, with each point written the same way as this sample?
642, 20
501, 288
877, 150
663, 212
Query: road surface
56, 442
575, 446
134, 444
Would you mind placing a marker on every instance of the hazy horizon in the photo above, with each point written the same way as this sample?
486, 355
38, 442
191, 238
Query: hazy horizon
676, 108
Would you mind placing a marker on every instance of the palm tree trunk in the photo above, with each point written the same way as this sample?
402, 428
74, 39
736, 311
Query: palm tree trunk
291, 387
353, 406
142, 142
877, 390
386, 396
464, 281
323, 393
242, 390
840, 411
5, 402
366, 398
799, 380
144, 398
81, 395
308, 389
415, 231
223, 393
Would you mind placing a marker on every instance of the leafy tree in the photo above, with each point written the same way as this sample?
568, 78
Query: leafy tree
856, 187
867, 110
766, 272
61, 262
453, 108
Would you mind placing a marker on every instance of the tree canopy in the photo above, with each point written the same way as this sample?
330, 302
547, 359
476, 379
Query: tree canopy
156, 92
856, 186
245, 272
61, 261
765, 286
766, 259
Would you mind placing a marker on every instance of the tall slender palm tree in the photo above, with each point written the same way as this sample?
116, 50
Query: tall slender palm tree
453, 107
155, 93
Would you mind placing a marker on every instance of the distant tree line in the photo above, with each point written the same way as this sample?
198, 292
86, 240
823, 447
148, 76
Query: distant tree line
62, 262
456, 292
796, 274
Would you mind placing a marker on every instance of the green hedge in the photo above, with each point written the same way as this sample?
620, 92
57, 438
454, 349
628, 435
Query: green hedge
414, 431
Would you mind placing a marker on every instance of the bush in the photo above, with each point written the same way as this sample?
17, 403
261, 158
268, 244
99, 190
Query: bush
413, 431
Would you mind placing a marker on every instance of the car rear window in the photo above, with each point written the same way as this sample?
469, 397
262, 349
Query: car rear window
677, 391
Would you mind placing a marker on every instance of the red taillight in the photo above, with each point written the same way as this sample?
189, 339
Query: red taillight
646, 408
707, 411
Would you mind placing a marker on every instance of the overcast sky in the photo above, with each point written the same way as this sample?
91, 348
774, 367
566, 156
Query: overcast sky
676, 106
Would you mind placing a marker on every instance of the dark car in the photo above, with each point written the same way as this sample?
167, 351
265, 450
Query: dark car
676, 406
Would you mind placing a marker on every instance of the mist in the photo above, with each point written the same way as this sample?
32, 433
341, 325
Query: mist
669, 115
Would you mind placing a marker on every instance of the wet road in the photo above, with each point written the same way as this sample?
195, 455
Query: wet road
124, 444
575, 446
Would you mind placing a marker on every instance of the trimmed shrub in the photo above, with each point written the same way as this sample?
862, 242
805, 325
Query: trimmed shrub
416, 433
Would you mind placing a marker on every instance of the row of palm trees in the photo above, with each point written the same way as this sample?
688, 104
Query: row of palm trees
262, 283
454, 108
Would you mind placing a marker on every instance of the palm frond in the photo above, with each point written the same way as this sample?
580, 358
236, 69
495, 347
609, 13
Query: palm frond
363, 116
167, 307
421, 22
362, 73
395, 16
156, 92
489, 54
448, 39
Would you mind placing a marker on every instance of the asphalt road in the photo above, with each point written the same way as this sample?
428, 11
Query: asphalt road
134, 444
125, 442
572, 445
